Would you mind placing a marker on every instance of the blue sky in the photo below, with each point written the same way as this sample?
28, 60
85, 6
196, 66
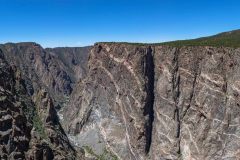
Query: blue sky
83, 22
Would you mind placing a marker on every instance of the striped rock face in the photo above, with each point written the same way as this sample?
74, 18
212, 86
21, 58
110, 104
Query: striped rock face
112, 107
196, 104
158, 102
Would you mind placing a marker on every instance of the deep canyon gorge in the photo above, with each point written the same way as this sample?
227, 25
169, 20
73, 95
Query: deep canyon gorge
119, 101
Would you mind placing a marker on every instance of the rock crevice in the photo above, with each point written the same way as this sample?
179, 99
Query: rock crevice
148, 108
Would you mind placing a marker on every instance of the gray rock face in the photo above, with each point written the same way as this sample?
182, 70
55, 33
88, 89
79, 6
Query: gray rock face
196, 103
50, 68
111, 108
75, 60
30, 127
158, 102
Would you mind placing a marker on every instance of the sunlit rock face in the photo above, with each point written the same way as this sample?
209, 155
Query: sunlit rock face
158, 102
196, 104
112, 107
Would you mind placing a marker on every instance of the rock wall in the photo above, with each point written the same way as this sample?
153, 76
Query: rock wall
34, 83
75, 60
158, 102
14, 129
196, 103
124, 101
112, 107
48, 68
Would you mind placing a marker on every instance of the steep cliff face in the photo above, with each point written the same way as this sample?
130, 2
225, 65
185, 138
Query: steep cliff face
14, 129
75, 60
112, 108
196, 103
48, 68
158, 102
39, 65
126, 101
23, 134
34, 84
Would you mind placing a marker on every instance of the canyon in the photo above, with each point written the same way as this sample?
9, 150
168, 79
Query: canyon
119, 101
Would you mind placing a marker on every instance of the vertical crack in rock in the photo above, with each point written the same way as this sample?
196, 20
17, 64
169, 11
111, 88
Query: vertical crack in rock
176, 93
196, 72
148, 109
224, 72
191, 95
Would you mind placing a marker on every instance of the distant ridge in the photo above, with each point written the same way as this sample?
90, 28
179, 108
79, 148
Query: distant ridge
225, 39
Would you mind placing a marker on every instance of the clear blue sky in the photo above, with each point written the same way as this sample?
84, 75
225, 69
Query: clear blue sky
83, 22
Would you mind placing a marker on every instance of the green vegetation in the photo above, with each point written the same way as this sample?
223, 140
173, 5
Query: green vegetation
128, 43
36, 121
226, 39
39, 127
89, 150
3, 98
106, 155
32, 116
